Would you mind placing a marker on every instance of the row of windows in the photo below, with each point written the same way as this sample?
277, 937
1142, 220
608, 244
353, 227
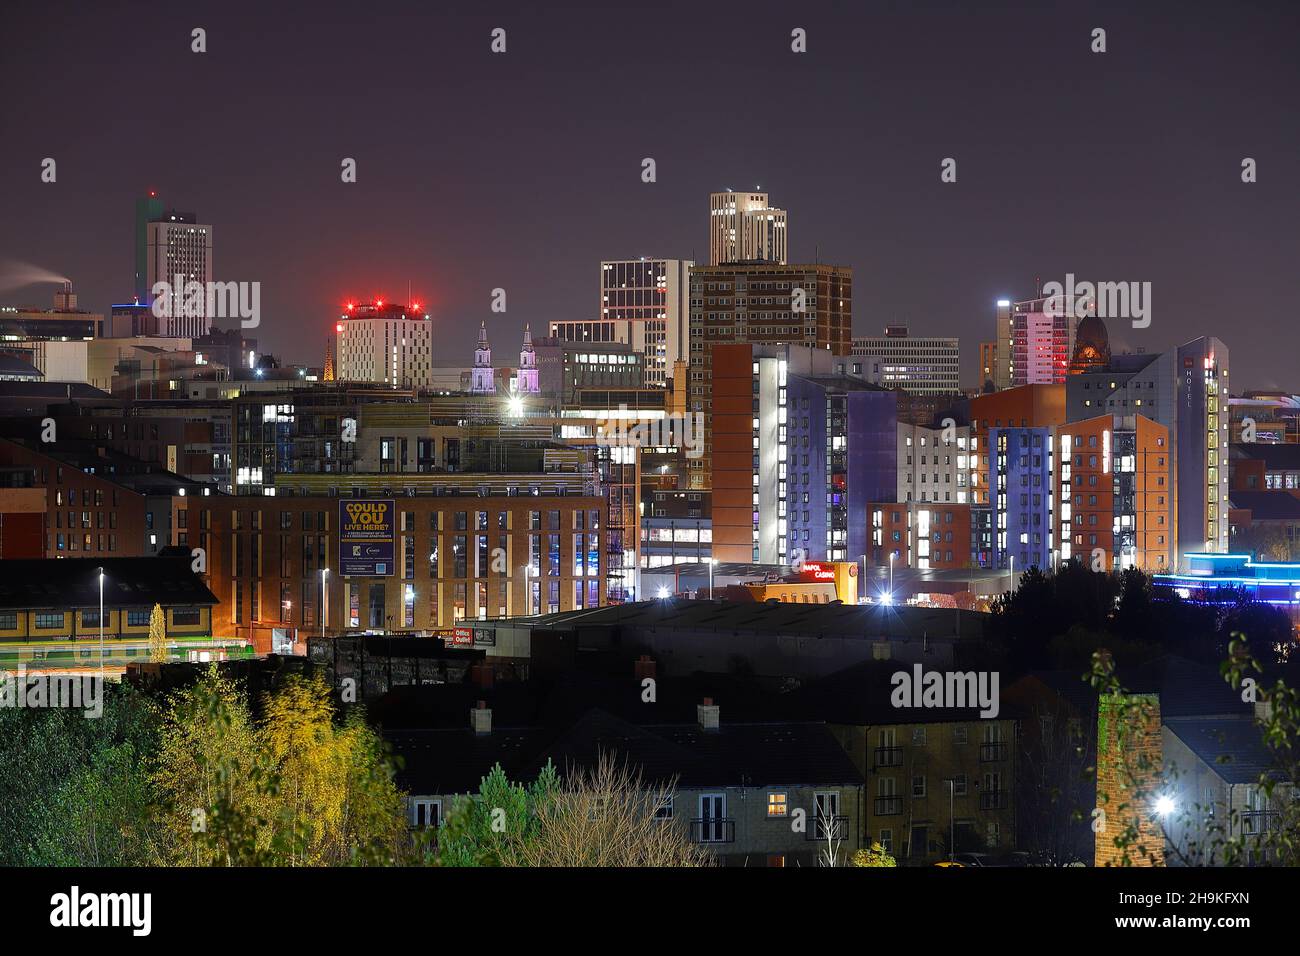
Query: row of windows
57, 620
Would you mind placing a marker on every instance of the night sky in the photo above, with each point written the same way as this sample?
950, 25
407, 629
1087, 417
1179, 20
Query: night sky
522, 170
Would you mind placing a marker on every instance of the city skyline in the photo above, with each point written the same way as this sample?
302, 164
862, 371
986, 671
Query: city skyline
539, 203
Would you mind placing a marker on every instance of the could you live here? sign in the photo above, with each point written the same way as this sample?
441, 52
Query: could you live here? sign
367, 535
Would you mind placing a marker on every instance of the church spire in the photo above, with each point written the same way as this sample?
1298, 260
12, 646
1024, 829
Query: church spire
482, 376
526, 379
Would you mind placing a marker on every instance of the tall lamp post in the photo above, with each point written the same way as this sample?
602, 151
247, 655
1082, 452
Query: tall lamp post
952, 825
891, 577
101, 624
712, 562
528, 603
324, 599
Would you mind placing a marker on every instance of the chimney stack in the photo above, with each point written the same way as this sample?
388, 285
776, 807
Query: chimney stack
707, 714
65, 300
645, 667
480, 719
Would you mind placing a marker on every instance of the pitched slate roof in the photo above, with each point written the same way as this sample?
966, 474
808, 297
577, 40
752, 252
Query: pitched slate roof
1232, 747
68, 583
737, 754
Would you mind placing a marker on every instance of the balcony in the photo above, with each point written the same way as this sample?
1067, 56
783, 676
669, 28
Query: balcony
1254, 822
889, 757
993, 752
993, 799
832, 828
713, 830
889, 806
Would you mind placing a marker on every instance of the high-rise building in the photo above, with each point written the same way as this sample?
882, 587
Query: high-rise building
648, 302
1027, 407
744, 228
1202, 447
1042, 343
988, 363
807, 305
1185, 390
1114, 484
172, 247
934, 464
1023, 498
921, 365
384, 342
1002, 346
799, 452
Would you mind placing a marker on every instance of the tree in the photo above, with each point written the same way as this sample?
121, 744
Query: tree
875, 856
75, 793
602, 816
158, 635
213, 787
336, 802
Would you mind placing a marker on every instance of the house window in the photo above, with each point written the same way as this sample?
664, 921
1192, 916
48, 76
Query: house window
186, 617
826, 806
918, 786
137, 618
959, 735
426, 813
665, 810
918, 736
49, 620
777, 804
8, 620
959, 785
887, 840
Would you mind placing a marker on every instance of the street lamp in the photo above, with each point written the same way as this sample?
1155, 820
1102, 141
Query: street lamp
891, 575
1012, 558
712, 562
101, 624
324, 600
528, 606
952, 825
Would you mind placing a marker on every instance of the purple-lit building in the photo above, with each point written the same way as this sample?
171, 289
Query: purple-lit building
825, 446
1021, 506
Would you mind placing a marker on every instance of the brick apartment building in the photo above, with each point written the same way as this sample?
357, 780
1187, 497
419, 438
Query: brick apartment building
453, 558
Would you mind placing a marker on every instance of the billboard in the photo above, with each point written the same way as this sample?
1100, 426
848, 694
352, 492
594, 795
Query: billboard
367, 535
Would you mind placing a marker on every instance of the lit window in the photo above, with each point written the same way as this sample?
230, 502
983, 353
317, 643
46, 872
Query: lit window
776, 805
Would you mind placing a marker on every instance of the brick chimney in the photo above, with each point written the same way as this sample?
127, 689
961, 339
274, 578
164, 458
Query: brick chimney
645, 667
480, 718
707, 714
